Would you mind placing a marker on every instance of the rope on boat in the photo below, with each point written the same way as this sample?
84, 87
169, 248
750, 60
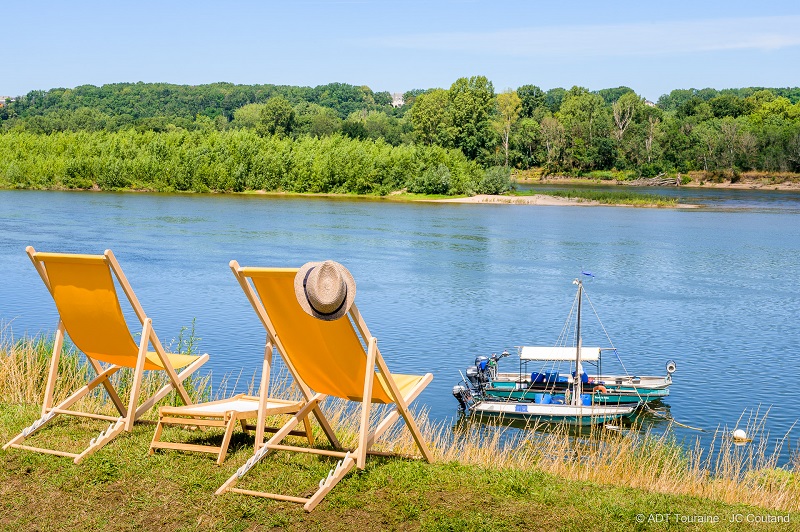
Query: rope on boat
646, 406
611, 343
671, 419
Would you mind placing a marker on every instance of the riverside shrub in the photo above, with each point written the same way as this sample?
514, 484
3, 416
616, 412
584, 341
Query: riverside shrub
228, 161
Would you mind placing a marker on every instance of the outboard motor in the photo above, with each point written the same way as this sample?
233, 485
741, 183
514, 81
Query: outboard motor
461, 393
487, 368
472, 376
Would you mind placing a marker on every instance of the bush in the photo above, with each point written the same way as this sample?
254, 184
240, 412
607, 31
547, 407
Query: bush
495, 180
651, 169
233, 160
431, 181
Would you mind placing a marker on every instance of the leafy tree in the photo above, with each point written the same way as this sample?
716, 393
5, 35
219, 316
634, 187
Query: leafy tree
315, 120
554, 138
731, 129
553, 99
382, 98
527, 139
342, 98
532, 98
248, 116
708, 138
778, 107
612, 95
676, 98
623, 110
355, 129
584, 117
276, 117
409, 97
729, 105
432, 181
430, 118
759, 98
508, 108
471, 104
695, 107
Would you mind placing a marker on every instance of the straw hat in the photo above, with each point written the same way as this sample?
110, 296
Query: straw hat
325, 290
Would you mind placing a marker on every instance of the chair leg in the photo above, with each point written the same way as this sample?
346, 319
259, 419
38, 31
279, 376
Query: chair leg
327, 484
112, 393
160, 394
156, 435
137, 376
103, 438
63, 405
226, 440
309, 432
264, 450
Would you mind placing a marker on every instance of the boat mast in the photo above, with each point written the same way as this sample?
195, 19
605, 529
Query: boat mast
576, 399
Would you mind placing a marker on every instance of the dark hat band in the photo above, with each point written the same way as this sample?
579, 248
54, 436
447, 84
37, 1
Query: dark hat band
331, 313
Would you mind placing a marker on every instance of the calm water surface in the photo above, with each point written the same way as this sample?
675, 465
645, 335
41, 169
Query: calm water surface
714, 289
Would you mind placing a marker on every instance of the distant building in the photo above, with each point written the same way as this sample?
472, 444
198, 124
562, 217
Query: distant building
3, 100
648, 103
397, 99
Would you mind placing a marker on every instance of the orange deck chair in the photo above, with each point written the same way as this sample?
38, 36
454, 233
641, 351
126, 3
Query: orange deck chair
89, 311
329, 358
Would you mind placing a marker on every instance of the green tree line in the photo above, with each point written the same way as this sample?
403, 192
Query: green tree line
571, 131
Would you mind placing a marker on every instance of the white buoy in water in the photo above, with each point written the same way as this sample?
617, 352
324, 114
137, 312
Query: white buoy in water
740, 436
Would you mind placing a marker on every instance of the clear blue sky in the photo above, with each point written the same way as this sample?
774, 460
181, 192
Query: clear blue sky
652, 47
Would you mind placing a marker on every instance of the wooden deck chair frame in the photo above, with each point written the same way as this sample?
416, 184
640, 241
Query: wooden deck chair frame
225, 413
348, 458
128, 414
217, 413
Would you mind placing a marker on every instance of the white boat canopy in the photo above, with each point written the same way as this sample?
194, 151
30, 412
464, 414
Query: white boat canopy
528, 352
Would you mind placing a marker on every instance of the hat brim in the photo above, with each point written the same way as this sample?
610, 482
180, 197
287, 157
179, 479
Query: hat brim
302, 299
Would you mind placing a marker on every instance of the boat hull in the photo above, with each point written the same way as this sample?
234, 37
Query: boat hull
572, 415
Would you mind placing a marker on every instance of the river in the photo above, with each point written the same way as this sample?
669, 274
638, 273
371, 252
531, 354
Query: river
439, 284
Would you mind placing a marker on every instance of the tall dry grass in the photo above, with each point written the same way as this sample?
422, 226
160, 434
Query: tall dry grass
720, 471
25, 363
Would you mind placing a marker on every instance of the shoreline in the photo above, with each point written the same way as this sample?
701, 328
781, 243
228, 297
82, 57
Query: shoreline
746, 182
397, 196
551, 201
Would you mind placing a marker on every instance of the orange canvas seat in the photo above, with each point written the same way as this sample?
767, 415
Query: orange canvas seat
326, 358
82, 287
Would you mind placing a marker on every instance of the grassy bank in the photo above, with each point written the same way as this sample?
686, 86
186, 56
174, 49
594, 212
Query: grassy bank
479, 480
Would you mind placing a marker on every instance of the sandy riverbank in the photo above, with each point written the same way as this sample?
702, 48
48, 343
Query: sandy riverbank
542, 199
538, 199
